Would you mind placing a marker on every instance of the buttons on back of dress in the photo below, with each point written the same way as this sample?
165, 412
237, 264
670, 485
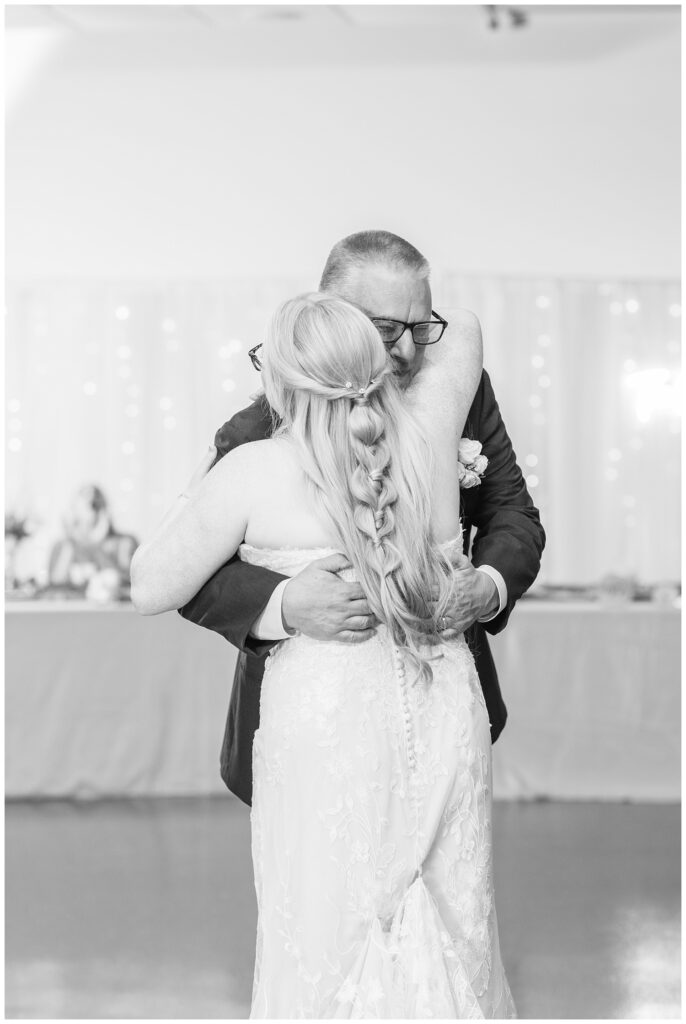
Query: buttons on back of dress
401, 675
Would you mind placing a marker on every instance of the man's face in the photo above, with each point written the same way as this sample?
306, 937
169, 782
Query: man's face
398, 295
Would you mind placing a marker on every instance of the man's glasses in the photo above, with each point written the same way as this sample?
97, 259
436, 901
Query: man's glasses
424, 332
254, 358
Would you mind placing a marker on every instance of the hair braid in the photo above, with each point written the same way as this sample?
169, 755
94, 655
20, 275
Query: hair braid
366, 458
375, 494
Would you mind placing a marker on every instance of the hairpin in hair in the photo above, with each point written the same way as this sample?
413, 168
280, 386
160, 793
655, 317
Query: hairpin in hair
349, 384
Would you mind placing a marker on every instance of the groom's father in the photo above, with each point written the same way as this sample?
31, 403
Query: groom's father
253, 608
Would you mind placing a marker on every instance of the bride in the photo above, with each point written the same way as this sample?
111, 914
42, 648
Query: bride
371, 814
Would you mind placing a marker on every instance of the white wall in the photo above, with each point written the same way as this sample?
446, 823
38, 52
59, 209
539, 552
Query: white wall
568, 168
137, 167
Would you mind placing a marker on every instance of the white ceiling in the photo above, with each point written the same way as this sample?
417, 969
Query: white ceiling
228, 35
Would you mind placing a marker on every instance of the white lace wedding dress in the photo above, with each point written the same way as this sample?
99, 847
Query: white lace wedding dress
371, 832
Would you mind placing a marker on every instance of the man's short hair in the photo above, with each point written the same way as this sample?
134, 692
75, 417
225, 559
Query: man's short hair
365, 247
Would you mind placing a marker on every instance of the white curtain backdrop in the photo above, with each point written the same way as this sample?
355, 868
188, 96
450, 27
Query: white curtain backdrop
587, 375
123, 385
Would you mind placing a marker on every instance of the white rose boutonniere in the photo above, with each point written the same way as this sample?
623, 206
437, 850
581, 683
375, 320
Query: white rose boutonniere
471, 464
467, 450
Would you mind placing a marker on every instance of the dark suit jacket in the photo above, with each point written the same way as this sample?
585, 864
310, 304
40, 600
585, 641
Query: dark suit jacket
509, 537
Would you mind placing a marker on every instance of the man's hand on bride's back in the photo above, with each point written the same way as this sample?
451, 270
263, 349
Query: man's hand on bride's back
475, 596
319, 604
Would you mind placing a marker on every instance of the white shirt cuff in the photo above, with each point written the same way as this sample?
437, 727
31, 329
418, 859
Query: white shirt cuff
502, 589
269, 625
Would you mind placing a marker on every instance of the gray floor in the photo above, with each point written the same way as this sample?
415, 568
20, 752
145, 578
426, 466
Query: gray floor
146, 909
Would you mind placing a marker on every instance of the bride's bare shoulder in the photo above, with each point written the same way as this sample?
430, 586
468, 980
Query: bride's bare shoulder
251, 460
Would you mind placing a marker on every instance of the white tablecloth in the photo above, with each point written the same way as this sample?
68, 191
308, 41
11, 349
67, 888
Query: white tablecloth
100, 701
593, 694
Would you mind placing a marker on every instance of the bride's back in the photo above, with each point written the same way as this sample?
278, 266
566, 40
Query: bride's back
284, 511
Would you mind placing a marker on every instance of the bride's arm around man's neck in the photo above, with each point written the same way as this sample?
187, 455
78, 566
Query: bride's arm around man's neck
449, 375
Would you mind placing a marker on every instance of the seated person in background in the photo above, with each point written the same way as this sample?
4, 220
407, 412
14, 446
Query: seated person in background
92, 556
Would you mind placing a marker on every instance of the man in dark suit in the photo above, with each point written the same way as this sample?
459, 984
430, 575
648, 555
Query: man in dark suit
254, 608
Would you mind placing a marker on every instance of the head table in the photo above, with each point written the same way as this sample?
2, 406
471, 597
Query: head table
103, 702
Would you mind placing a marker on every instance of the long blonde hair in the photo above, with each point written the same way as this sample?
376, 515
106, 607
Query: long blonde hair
329, 378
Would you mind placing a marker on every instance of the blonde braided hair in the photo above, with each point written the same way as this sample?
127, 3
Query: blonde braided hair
328, 377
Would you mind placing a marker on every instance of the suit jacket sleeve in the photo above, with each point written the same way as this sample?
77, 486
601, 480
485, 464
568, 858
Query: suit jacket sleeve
509, 535
238, 593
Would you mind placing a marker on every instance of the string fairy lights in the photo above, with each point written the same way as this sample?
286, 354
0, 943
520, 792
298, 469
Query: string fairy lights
582, 371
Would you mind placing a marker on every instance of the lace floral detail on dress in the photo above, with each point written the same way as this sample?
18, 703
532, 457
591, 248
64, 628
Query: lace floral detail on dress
372, 841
